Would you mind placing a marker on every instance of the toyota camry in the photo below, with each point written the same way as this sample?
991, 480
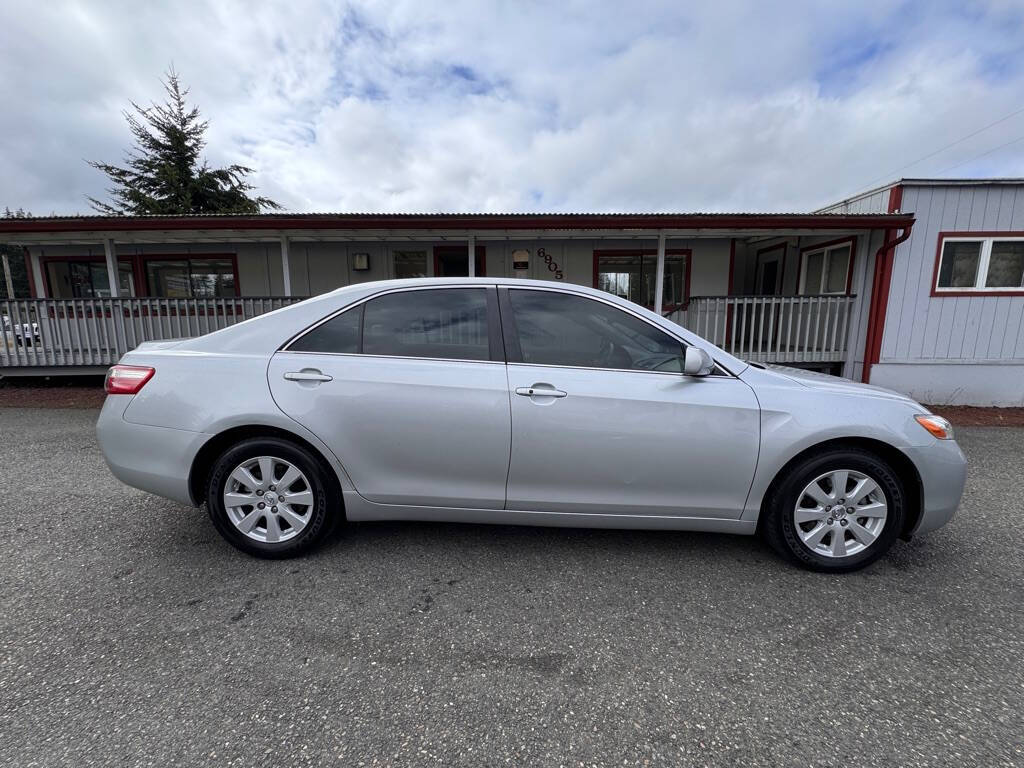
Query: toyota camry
518, 402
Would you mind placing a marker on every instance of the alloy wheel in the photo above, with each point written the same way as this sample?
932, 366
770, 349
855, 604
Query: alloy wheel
268, 499
840, 513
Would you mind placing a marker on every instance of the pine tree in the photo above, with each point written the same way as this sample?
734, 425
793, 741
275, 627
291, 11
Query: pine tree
165, 173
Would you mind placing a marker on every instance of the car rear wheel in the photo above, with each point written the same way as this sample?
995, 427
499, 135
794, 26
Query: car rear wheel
269, 498
836, 512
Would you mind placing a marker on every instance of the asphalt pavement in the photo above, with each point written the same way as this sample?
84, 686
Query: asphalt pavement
130, 634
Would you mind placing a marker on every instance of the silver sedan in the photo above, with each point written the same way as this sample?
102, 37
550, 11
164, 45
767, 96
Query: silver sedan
518, 402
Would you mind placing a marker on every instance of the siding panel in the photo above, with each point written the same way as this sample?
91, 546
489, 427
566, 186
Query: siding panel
920, 327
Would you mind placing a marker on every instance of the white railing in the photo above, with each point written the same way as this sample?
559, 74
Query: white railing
96, 332
775, 329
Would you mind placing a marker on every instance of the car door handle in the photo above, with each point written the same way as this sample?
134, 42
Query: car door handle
308, 375
539, 391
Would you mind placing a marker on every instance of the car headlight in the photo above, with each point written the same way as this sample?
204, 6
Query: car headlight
938, 426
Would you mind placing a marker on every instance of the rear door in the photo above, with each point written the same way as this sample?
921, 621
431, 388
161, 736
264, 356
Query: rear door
603, 421
409, 390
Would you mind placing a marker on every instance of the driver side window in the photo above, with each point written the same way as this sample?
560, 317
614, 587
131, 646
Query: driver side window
562, 329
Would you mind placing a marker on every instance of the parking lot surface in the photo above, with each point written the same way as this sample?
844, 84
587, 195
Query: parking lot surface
130, 634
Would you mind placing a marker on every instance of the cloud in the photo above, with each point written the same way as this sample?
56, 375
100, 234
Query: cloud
412, 106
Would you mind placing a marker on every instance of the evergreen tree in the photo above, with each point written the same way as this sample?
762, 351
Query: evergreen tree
164, 172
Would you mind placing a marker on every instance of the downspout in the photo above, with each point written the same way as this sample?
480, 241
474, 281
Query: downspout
880, 299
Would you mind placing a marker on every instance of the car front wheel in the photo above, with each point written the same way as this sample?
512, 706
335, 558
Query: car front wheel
269, 497
836, 512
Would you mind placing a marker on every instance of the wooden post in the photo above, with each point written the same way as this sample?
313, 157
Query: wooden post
284, 266
659, 280
112, 276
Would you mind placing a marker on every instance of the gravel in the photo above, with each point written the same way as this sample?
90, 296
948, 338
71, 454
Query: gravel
130, 634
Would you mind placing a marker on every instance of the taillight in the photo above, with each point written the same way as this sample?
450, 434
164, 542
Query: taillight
127, 379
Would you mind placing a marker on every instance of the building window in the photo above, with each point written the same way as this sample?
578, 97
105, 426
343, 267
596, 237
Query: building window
980, 264
410, 264
190, 278
826, 270
631, 275
86, 279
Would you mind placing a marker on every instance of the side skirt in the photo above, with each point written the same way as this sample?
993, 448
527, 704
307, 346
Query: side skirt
358, 508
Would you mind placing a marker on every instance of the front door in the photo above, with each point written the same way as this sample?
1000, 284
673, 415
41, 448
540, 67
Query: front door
603, 421
409, 391
453, 261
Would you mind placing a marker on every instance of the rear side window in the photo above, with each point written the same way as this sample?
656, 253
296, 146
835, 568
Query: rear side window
444, 323
339, 335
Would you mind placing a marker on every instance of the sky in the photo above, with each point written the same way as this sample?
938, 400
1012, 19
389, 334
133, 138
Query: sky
419, 106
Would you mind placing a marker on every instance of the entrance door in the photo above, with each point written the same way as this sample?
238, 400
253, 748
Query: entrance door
452, 261
769, 272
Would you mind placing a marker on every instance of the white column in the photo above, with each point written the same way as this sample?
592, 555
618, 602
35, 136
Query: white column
659, 280
37, 275
7, 276
472, 255
285, 269
111, 254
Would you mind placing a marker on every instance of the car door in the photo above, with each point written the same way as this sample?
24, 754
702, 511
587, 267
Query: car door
409, 390
603, 421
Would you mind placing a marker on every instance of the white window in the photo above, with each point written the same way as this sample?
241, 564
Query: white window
980, 264
826, 270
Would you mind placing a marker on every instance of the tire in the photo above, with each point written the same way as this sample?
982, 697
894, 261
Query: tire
286, 526
864, 537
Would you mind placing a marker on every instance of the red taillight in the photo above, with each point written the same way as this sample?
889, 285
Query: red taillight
127, 379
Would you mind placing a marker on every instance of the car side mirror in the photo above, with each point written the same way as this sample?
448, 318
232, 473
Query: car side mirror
697, 362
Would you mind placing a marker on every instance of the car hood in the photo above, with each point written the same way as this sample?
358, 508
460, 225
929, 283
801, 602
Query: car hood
823, 381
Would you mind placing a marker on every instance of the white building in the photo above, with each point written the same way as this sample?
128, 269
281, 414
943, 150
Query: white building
858, 289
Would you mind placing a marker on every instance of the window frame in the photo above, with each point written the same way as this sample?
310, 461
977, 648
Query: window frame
496, 349
686, 253
809, 250
188, 258
979, 289
514, 354
140, 274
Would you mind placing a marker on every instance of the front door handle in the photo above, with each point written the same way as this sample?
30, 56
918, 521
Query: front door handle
540, 390
308, 374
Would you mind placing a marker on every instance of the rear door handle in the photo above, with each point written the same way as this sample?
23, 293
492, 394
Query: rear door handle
308, 375
538, 391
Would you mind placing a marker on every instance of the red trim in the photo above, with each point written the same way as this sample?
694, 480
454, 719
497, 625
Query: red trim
852, 240
784, 245
968, 292
460, 221
687, 252
138, 262
31, 277
880, 284
457, 250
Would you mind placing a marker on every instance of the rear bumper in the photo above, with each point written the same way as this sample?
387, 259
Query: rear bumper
153, 459
943, 471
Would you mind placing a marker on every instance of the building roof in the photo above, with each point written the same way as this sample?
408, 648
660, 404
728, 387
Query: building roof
453, 221
917, 182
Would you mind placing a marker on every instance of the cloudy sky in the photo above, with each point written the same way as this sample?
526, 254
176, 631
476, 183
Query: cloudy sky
515, 106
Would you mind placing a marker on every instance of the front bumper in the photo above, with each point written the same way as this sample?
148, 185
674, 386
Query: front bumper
943, 470
153, 459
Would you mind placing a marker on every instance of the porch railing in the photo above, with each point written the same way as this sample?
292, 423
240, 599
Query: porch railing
96, 332
776, 329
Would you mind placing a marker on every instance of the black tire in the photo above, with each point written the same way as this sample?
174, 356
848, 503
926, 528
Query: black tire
323, 513
779, 528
